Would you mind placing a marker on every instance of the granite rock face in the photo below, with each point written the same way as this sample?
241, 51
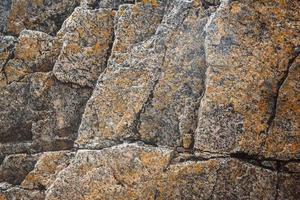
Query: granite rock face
144, 99
40, 113
124, 88
41, 15
46, 169
34, 52
127, 172
249, 58
86, 39
4, 12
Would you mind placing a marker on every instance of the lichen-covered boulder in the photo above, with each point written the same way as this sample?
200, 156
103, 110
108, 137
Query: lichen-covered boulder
283, 139
288, 186
41, 15
86, 39
127, 172
140, 95
14, 168
171, 111
34, 52
250, 46
123, 89
20, 193
149, 99
40, 113
46, 169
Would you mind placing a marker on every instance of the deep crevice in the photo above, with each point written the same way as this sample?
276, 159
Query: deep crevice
277, 182
137, 121
279, 86
206, 4
245, 156
181, 158
278, 165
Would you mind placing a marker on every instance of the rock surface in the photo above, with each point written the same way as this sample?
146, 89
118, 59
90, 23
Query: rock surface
122, 91
5, 6
34, 52
143, 99
46, 169
127, 172
87, 37
40, 15
250, 47
40, 113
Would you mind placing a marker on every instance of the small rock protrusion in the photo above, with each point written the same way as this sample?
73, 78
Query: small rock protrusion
188, 141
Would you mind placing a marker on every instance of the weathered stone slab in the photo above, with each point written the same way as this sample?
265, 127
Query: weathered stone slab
46, 16
46, 169
41, 113
249, 48
86, 39
131, 171
123, 89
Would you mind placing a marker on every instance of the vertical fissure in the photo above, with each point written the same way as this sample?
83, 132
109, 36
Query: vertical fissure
279, 87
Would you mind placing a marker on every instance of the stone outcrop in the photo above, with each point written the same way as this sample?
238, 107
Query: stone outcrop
136, 99
86, 39
34, 52
127, 172
249, 58
40, 113
4, 12
40, 15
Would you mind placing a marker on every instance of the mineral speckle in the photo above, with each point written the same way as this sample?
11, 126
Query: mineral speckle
146, 99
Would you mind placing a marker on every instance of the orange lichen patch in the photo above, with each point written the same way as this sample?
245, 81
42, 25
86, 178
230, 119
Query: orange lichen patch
46, 169
176, 172
30, 178
152, 2
2, 197
19, 8
50, 163
136, 10
80, 31
235, 8
122, 109
294, 147
121, 12
282, 2
16, 71
49, 83
106, 34
4, 56
37, 3
250, 141
27, 49
72, 48
148, 158
276, 145
212, 164
96, 49
123, 47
